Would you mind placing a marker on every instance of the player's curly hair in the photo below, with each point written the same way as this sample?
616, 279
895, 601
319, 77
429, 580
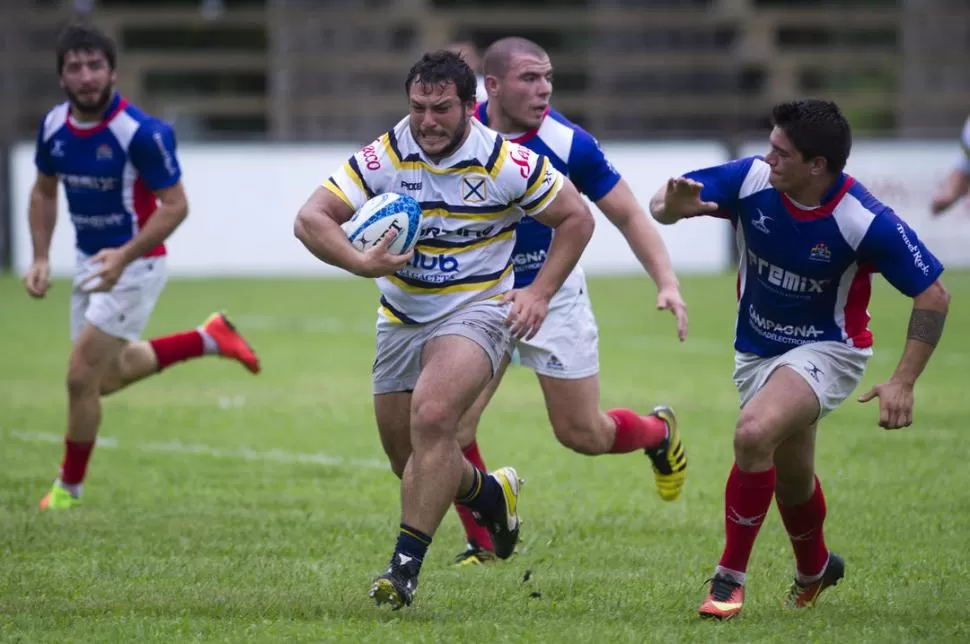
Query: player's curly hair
81, 36
440, 68
816, 128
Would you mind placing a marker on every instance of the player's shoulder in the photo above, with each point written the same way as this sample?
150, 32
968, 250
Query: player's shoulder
750, 173
386, 153
565, 139
858, 210
558, 121
54, 120
486, 148
516, 163
131, 125
965, 135
859, 196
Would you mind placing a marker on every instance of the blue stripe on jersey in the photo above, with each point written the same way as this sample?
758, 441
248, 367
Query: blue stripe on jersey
400, 316
471, 279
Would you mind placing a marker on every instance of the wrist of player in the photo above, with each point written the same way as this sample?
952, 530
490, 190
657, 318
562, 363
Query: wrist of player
131, 251
356, 262
541, 289
667, 281
903, 380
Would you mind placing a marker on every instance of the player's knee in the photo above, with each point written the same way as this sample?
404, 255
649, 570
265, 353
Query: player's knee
110, 383
113, 378
433, 419
580, 436
82, 380
752, 436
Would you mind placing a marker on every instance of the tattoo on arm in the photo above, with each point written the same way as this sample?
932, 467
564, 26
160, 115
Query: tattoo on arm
926, 326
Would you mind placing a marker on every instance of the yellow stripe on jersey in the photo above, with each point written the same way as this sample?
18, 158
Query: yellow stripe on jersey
389, 314
467, 216
544, 201
332, 186
500, 161
535, 181
353, 171
453, 288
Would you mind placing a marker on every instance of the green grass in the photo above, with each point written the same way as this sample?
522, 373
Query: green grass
224, 507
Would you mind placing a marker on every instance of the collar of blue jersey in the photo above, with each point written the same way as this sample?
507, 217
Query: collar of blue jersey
112, 107
835, 188
481, 111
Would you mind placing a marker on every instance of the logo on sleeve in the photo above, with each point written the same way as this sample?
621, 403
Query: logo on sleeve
370, 158
521, 156
917, 254
166, 155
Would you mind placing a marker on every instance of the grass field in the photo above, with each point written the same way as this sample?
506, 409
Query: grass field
224, 507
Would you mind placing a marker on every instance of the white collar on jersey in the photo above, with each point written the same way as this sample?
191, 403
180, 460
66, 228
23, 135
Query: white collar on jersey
801, 206
83, 125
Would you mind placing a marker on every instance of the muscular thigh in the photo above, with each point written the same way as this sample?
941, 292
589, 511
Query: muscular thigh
463, 354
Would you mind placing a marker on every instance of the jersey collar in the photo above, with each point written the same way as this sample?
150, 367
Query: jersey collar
481, 111
830, 200
117, 104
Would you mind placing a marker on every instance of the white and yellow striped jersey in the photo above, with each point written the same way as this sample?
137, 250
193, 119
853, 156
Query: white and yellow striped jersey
472, 202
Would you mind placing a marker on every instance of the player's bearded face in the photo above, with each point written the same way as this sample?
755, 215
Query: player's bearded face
525, 91
438, 119
88, 80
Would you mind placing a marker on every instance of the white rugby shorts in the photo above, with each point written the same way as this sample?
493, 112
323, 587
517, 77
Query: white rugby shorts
832, 369
567, 344
122, 312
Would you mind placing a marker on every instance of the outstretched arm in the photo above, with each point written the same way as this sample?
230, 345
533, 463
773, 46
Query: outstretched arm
624, 211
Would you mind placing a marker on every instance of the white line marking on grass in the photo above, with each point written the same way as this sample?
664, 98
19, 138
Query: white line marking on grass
198, 449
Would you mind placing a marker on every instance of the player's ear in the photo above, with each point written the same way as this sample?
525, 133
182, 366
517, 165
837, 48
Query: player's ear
819, 166
491, 86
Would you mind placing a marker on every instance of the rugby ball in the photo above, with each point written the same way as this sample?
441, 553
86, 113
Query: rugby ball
383, 213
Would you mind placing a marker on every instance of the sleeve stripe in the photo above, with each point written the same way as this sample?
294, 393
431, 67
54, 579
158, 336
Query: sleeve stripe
358, 177
543, 201
332, 186
534, 182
